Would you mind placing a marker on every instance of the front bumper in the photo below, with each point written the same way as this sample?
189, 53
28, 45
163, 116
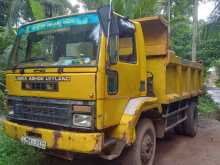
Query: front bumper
59, 140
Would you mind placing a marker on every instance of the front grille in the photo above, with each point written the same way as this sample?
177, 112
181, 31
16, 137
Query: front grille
47, 111
40, 86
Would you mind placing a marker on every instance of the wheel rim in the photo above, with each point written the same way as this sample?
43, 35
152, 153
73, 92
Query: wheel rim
147, 148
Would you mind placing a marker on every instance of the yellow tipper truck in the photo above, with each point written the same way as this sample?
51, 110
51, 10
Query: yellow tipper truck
99, 83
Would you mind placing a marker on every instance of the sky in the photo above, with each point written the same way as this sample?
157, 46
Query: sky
204, 8
76, 2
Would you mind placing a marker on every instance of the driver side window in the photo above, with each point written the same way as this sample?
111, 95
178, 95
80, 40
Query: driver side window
126, 44
127, 51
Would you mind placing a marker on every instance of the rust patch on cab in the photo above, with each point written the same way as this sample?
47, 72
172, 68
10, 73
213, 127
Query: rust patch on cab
56, 137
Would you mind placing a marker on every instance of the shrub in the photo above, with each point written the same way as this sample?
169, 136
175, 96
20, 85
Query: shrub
206, 104
13, 152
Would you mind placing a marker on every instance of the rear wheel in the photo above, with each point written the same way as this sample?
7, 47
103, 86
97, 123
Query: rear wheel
190, 126
143, 150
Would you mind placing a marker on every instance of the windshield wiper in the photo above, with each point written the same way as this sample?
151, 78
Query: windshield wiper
30, 60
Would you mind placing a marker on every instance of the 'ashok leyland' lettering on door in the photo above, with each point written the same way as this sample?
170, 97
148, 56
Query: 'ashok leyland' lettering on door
43, 78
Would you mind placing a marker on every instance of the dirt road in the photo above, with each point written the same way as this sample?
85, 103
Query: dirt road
204, 149
201, 150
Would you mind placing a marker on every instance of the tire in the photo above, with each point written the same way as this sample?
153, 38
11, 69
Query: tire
180, 129
142, 152
190, 126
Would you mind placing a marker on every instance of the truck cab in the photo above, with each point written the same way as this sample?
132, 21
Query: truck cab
83, 84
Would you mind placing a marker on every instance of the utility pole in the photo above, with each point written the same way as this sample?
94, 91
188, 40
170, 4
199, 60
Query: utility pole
169, 21
195, 30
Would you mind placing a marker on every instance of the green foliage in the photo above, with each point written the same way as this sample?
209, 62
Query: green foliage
2, 103
181, 38
206, 104
57, 7
12, 152
4, 8
146, 8
181, 27
30, 10
209, 50
209, 44
129, 8
37, 9
215, 16
217, 66
6, 40
5, 45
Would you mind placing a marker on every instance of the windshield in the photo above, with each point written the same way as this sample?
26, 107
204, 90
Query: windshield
68, 41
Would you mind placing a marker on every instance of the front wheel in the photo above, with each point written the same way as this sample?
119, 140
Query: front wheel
143, 150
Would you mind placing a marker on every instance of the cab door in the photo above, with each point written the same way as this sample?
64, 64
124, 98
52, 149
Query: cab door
123, 80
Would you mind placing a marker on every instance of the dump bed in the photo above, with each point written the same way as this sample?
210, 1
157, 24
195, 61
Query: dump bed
173, 78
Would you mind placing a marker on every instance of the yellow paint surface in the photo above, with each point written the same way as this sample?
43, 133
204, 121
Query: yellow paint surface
62, 140
72, 89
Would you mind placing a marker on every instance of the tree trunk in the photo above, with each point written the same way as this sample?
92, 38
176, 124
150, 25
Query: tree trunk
195, 30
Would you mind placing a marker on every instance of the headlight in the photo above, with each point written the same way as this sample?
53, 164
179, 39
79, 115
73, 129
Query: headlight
10, 110
82, 120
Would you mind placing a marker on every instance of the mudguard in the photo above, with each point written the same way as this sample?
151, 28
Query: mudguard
126, 129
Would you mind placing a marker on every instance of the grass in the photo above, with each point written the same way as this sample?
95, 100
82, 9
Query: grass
15, 153
207, 105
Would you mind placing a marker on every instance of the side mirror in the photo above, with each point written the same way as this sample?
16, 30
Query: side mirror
109, 26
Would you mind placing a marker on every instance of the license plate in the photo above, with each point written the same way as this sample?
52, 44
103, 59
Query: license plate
33, 141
